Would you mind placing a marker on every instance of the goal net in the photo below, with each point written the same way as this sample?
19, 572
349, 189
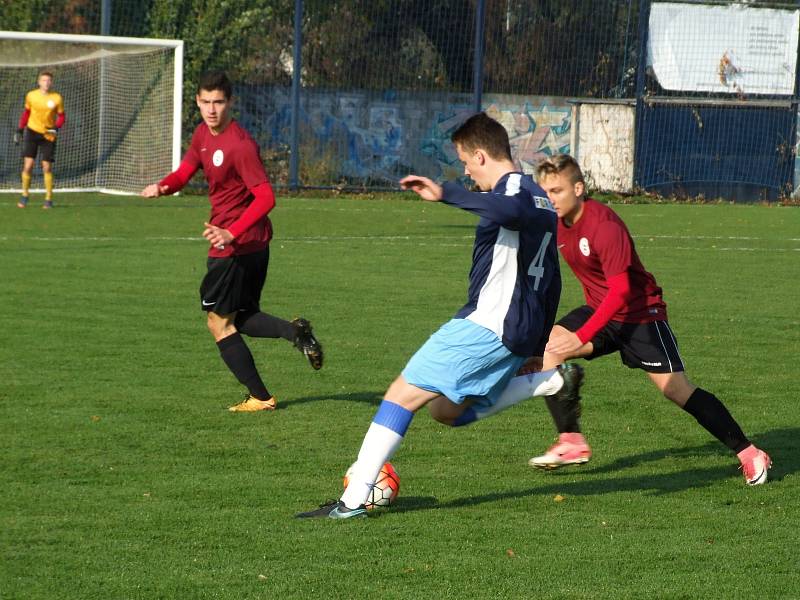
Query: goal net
122, 99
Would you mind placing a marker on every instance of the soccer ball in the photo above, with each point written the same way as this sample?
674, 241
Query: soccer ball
385, 489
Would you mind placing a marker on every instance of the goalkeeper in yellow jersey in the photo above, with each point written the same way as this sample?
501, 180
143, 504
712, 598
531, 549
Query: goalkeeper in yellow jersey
38, 126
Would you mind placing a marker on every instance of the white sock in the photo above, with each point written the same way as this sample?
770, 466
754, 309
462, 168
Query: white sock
543, 383
378, 447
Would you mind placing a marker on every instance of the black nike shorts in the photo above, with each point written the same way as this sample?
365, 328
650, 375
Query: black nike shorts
651, 347
234, 283
34, 142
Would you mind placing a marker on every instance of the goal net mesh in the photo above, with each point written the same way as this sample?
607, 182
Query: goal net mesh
118, 101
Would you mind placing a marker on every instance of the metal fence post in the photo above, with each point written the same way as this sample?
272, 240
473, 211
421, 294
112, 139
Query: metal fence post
294, 158
795, 106
641, 67
105, 17
477, 79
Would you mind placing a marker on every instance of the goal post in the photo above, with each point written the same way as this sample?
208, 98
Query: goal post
123, 101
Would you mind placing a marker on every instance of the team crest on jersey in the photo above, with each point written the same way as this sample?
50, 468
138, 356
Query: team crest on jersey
583, 245
51, 104
217, 158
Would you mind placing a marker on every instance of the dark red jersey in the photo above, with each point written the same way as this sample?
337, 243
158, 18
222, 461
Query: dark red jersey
598, 247
232, 167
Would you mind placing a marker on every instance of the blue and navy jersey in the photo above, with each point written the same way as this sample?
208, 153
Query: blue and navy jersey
514, 283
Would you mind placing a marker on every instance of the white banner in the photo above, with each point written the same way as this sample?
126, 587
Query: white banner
737, 49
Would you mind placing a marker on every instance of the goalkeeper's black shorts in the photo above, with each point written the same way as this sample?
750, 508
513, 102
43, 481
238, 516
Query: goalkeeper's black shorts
34, 142
234, 283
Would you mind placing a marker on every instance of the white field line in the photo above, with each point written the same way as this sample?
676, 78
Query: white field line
453, 240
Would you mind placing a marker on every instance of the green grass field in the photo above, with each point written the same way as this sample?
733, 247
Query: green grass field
124, 477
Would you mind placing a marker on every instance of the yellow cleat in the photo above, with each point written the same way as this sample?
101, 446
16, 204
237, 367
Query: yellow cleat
253, 404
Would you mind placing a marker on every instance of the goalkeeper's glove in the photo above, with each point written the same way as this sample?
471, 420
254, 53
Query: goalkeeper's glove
18, 135
52, 131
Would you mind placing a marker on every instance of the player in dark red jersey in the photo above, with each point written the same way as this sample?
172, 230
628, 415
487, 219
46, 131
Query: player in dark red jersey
239, 232
624, 313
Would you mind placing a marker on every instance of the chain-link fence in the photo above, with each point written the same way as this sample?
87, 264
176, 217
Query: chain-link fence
375, 87
379, 84
717, 100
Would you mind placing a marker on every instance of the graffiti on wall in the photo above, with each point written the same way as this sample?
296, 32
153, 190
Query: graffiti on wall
535, 131
376, 138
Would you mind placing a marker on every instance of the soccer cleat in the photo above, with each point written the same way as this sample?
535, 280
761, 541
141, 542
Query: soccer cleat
334, 509
570, 449
253, 404
305, 341
755, 464
569, 394
22, 202
47, 204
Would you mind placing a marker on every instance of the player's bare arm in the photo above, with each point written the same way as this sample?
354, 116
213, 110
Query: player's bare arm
425, 188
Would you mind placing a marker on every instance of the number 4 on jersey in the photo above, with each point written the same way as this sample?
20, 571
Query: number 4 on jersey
536, 270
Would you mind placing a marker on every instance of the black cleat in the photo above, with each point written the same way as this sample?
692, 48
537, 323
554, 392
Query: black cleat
333, 509
569, 394
305, 341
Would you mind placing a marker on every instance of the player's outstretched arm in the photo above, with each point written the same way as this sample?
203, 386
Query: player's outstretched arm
427, 189
154, 190
173, 182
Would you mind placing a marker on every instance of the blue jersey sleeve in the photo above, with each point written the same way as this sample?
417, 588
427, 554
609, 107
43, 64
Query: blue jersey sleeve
508, 211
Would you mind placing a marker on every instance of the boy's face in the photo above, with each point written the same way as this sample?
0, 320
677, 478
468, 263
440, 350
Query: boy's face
214, 108
566, 197
45, 83
475, 167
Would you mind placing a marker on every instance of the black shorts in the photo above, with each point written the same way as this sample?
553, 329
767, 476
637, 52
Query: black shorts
651, 347
33, 142
234, 283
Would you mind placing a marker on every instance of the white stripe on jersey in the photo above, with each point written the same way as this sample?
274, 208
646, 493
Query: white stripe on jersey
513, 184
498, 289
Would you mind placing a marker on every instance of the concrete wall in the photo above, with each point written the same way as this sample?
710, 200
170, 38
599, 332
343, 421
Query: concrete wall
602, 139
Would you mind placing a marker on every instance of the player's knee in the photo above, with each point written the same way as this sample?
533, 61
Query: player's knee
677, 389
215, 324
212, 329
442, 418
444, 411
445, 421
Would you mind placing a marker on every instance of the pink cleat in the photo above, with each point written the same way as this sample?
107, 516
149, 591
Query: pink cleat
755, 464
570, 449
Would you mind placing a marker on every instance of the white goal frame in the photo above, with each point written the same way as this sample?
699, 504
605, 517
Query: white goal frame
177, 92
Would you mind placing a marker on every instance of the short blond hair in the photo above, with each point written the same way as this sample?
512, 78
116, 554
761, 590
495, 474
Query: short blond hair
560, 163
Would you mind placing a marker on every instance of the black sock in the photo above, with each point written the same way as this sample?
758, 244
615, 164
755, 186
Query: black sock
566, 420
237, 356
259, 324
715, 418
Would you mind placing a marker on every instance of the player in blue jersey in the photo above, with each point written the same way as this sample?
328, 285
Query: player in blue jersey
466, 370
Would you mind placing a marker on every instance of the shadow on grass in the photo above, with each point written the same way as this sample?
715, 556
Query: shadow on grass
367, 397
783, 446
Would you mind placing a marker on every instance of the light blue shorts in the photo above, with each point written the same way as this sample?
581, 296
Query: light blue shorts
463, 360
